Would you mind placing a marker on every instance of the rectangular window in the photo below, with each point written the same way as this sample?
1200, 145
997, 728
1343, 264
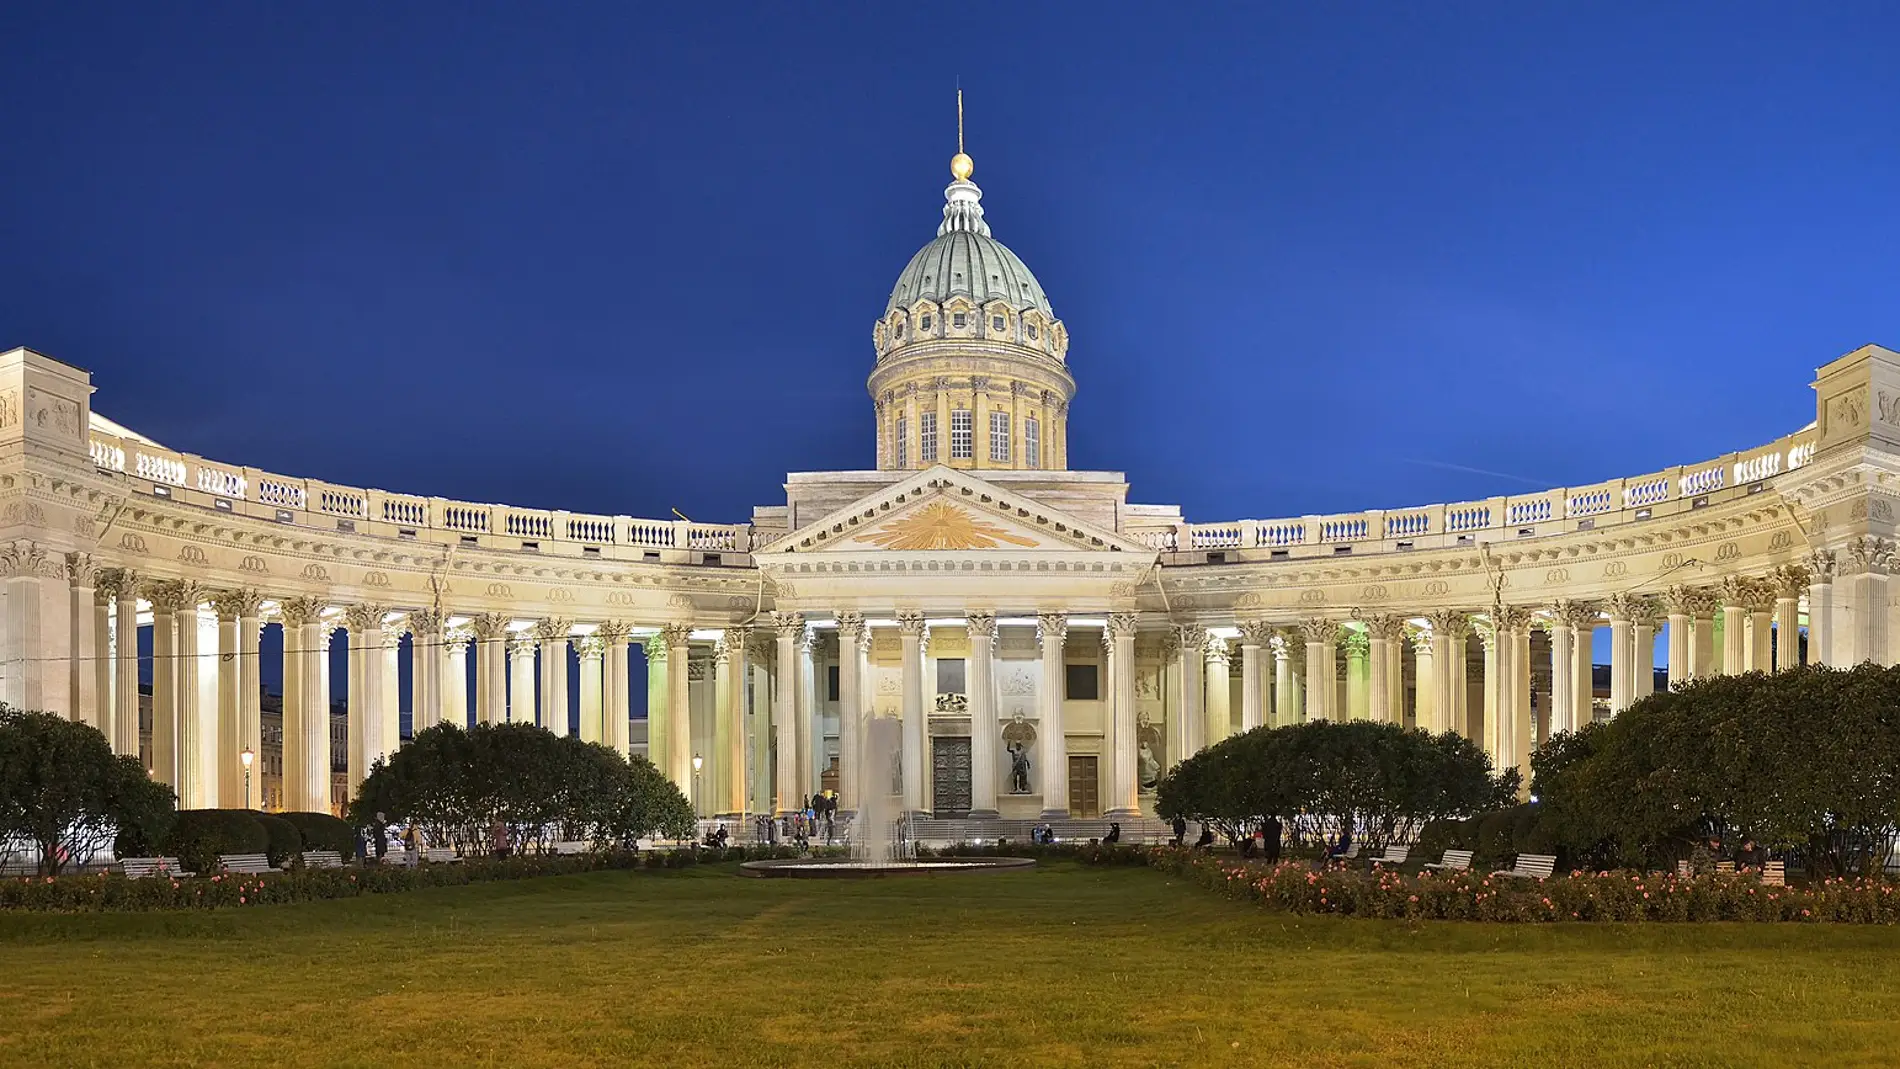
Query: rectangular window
950, 675
1032, 443
997, 324
1082, 682
999, 436
924, 324
1028, 328
903, 442
927, 436
831, 682
959, 320
960, 444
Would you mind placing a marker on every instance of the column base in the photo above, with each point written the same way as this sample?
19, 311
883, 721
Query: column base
1122, 814
1054, 814
983, 814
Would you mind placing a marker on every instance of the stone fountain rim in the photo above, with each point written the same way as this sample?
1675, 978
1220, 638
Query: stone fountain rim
825, 868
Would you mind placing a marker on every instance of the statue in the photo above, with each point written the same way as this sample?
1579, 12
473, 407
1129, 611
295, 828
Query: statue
1018, 768
1149, 769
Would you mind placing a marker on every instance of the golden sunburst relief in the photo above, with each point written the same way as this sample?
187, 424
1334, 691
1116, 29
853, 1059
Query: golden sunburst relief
941, 525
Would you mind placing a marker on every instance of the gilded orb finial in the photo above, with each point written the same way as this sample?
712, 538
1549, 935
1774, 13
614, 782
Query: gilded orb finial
961, 167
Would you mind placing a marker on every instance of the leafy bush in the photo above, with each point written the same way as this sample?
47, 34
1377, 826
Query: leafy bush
63, 789
286, 842
198, 836
1383, 781
322, 831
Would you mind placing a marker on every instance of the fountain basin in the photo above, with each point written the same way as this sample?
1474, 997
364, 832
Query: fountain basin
839, 868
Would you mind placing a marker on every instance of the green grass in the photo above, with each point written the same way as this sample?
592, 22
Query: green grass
1061, 966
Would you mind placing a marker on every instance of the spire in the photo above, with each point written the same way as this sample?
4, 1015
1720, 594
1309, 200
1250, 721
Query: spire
962, 207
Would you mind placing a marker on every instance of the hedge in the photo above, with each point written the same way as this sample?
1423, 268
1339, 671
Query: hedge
284, 840
198, 836
323, 831
1581, 896
114, 893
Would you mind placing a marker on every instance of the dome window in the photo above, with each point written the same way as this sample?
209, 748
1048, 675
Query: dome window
900, 329
959, 320
996, 323
1030, 329
924, 323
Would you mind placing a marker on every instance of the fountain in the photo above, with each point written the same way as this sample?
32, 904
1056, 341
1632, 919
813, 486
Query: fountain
880, 833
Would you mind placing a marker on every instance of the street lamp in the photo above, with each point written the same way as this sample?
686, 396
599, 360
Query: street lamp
247, 757
698, 763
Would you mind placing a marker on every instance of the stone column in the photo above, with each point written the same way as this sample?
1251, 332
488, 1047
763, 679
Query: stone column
1761, 635
1425, 716
1787, 585
1457, 677
388, 655
659, 694
125, 665
911, 633
679, 717
304, 778
810, 730
38, 673
552, 635
985, 733
491, 668
1678, 600
522, 684
1051, 629
791, 627
332, 800
1563, 667
1382, 630
730, 671
1519, 724
1217, 677
1623, 607
851, 643
1643, 647
365, 624
1448, 626
1736, 594
428, 664
82, 682
614, 686
1861, 600
455, 641
1702, 638
1496, 668
237, 665
1358, 649
1188, 645
1125, 801
197, 717
1256, 635
1322, 673
1821, 569
1299, 708
593, 688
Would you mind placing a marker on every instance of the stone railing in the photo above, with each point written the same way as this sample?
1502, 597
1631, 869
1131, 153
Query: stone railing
1577, 508
281, 498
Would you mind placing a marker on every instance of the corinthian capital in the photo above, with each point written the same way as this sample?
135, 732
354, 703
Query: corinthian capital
1821, 566
1692, 601
851, 626
678, 636
300, 611
1514, 619
1051, 627
1122, 625
553, 629
490, 625
1255, 632
1581, 615
1387, 626
238, 604
1452, 623
80, 569
1319, 629
1870, 555
362, 618
981, 625
910, 623
1789, 581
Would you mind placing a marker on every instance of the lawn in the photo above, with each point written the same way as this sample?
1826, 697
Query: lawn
1060, 966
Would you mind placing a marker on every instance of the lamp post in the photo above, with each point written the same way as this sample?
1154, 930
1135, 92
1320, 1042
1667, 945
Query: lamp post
698, 763
247, 757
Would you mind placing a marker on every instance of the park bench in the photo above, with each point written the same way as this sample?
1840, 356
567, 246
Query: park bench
571, 846
1774, 874
1530, 867
322, 859
1453, 861
137, 868
1394, 855
246, 864
1725, 868
1684, 869
440, 855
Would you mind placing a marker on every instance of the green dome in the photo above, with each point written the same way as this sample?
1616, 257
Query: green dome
965, 261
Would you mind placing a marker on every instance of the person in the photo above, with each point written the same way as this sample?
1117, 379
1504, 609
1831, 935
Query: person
411, 844
382, 837
1206, 841
1270, 840
1180, 830
722, 836
830, 828
1750, 856
1342, 847
498, 839
1114, 833
362, 845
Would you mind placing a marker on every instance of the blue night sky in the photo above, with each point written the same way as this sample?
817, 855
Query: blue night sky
1313, 257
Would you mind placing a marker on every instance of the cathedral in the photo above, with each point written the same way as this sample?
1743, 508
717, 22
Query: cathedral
1047, 647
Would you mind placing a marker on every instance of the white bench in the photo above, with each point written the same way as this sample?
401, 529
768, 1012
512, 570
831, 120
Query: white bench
440, 855
322, 859
1453, 861
137, 868
1394, 855
571, 846
246, 864
1774, 874
1531, 867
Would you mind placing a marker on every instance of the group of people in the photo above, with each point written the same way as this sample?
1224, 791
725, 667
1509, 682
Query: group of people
1263, 842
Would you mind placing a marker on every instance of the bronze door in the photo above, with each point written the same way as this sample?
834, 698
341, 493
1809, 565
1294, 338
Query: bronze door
950, 776
1085, 798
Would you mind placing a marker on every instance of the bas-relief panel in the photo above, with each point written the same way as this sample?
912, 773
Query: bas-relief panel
941, 525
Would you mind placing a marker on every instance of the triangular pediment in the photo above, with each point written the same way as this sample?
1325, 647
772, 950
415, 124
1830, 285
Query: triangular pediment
945, 510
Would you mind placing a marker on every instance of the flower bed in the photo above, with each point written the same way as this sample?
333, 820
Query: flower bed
1580, 896
114, 893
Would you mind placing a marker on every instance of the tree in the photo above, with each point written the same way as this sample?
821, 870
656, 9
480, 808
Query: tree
63, 788
1806, 759
1384, 781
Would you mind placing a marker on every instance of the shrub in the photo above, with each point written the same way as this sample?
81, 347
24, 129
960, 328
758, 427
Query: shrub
63, 789
1436, 838
286, 842
1495, 840
198, 836
321, 831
